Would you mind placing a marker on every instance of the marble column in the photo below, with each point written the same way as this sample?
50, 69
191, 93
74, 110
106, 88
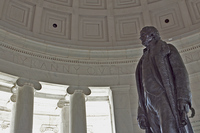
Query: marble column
77, 109
13, 99
123, 122
24, 105
64, 105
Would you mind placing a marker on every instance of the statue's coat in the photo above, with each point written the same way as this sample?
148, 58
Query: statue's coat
170, 72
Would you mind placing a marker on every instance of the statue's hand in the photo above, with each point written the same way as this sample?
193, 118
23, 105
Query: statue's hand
142, 123
183, 106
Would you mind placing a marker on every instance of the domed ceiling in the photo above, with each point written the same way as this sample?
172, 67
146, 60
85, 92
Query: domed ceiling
85, 41
97, 24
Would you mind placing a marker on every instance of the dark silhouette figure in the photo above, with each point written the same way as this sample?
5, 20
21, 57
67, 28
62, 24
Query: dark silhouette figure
163, 87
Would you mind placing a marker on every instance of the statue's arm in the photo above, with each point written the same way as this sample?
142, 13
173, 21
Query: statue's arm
141, 116
180, 76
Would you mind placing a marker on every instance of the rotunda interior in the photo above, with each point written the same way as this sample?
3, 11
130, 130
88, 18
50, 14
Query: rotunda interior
92, 45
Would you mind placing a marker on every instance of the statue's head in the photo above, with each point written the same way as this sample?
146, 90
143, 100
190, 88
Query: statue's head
148, 34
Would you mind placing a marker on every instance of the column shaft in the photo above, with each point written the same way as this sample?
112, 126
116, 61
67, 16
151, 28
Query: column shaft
24, 110
13, 99
64, 127
77, 113
12, 122
122, 109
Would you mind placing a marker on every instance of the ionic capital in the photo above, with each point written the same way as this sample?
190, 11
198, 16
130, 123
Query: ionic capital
24, 81
81, 89
63, 102
13, 98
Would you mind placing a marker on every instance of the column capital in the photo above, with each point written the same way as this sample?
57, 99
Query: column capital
31, 82
14, 89
85, 90
13, 98
62, 102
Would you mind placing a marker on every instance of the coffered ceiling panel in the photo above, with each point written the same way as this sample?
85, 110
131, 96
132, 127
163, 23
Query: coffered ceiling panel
93, 4
19, 14
168, 19
194, 10
93, 28
56, 24
152, 1
61, 2
126, 3
128, 27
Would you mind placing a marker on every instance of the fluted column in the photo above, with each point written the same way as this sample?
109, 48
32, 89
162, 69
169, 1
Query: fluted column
24, 105
77, 109
122, 109
64, 105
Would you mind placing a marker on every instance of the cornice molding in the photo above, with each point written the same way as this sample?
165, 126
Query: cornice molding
80, 61
83, 61
68, 60
190, 49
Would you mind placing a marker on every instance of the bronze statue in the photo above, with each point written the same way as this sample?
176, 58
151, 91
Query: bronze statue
163, 87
